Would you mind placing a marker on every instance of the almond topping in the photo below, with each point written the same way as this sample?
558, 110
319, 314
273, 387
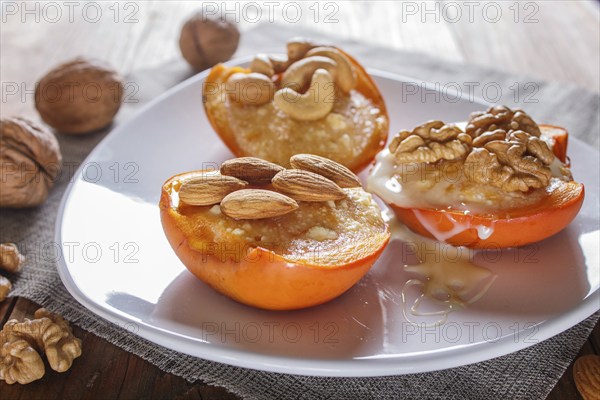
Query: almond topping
208, 189
327, 168
256, 204
307, 186
251, 169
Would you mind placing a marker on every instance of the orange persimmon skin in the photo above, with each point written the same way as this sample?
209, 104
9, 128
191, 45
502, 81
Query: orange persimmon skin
521, 227
560, 137
365, 85
512, 228
262, 278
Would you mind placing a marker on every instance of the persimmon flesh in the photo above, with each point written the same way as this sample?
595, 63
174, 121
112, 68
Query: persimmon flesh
352, 134
297, 260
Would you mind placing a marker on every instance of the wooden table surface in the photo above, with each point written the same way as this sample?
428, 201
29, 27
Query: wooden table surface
552, 40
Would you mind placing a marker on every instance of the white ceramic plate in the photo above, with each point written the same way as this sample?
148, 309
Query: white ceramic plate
117, 263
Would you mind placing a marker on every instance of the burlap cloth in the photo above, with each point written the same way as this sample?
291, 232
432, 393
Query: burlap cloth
527, 374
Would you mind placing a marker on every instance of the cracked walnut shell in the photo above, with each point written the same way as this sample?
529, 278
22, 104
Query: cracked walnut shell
206, 41
79, 96
433, 141
21, 343
30, 163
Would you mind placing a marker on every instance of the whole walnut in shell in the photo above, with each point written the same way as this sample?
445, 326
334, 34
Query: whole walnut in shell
29, 161
206, 41
79, 96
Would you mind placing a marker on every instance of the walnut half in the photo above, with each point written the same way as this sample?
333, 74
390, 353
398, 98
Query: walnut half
10, 258
21, 343
517, 162
501, 148
433, 141
501, 117
5, 288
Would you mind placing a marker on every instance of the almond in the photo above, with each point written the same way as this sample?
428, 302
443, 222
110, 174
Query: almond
586, 372
307, 186
208, 189
338, 173
251, 169
256, 204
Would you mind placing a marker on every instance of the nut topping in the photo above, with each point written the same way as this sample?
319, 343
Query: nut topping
338, 173
306, 87
517, 163
307, 186
262, 65
431, 142
318, 179
251, 169
487, 137
346, 77
208, 189
496, 151
253, 88
300, 73
256, 204
315, 104
501, 117
298, 47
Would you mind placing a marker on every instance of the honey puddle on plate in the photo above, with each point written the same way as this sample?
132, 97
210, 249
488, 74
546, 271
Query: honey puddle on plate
445, 276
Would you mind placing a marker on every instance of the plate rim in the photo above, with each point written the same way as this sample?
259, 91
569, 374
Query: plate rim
354, 367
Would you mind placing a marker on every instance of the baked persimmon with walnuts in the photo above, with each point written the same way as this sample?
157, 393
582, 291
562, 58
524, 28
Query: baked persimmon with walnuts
271, 237
503, 181
316, 99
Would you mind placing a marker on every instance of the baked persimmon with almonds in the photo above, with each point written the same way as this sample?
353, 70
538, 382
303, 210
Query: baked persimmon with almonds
501, 180
271, 237
316, 99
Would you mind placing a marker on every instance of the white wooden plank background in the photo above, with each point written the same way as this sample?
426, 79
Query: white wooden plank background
551, 40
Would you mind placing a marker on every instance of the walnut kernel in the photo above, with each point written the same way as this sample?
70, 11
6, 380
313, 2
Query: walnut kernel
502, 148
21, 343
5, 288
430, 142
10, 258
518, 163
501, 117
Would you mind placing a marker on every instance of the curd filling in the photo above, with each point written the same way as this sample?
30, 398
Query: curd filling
325, 233
444, 186
266, 132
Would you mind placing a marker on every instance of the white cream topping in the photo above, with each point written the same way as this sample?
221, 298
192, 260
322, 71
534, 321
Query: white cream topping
383, 182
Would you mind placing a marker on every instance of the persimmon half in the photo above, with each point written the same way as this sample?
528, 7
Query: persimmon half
352, 133
301, 259
553, 209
